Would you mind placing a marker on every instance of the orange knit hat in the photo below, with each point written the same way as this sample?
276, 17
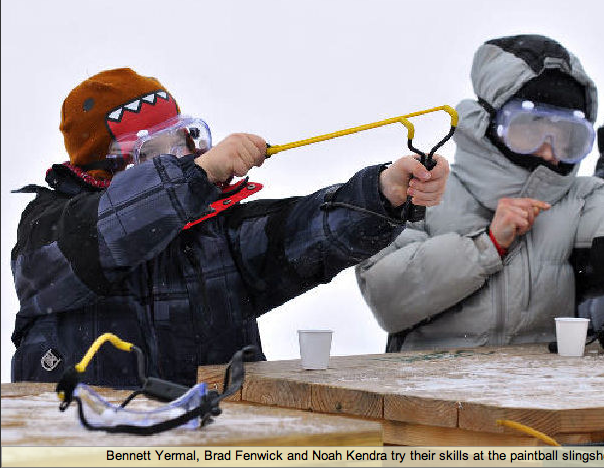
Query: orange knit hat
107, 105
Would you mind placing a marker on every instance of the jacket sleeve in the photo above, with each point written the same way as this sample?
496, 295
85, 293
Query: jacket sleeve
146, 207
418, 276
285, 247
591, 223
73, 249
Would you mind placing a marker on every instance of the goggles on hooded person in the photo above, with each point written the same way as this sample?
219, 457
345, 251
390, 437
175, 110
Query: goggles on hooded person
178, 136
524, 126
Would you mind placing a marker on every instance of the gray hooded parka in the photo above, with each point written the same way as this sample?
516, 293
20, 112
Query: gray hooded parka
441, 282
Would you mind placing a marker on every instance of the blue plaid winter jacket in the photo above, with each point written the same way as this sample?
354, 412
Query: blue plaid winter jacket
89, 261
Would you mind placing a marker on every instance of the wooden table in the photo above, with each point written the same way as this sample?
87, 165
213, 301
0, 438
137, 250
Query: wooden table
30, 416
448, 397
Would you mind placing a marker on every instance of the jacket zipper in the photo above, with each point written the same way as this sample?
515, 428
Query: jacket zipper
150, 303
501, 302
195, 311
501, 289
500, 324
528, 272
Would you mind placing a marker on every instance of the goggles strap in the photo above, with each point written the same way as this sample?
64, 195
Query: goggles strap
235, 372
488, 107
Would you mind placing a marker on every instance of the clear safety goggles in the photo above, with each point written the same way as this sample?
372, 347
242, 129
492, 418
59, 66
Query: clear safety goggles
186, 407
96, 413
524, 126
178, 136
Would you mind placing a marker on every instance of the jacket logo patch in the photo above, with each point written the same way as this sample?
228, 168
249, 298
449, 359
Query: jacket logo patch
50, 360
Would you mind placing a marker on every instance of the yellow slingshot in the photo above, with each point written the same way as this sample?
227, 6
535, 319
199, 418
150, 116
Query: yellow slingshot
348, 131
411, 213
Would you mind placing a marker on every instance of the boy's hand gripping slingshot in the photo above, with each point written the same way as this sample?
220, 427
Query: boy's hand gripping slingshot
411, 212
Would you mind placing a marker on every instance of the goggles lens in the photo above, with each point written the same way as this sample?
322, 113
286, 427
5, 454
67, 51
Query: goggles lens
97, 412
178, 136
525, 126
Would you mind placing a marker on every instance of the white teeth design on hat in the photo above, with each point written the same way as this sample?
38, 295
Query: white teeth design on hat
135, 106
116, 114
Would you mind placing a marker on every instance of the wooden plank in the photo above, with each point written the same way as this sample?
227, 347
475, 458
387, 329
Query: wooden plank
501, 380
418, 410
478, 417
582, 419
277, 392
30, 416
448, 397
328, 399
400, 433
26, 388
426, 387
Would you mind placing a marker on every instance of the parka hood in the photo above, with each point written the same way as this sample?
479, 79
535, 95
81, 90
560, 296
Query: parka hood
500, 68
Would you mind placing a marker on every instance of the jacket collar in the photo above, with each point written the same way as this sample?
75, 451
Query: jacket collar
71, 179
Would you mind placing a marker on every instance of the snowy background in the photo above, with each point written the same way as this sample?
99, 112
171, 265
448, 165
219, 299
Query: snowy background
285, 70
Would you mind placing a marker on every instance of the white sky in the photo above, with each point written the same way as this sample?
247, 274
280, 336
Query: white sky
285, 70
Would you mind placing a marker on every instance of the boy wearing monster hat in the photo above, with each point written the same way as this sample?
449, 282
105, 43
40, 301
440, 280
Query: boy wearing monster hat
491, 265
104, 250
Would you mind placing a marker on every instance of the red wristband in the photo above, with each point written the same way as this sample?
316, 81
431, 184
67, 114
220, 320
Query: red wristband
502, 251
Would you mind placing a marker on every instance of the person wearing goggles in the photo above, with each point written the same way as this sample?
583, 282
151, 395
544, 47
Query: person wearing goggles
493, 263
105, 249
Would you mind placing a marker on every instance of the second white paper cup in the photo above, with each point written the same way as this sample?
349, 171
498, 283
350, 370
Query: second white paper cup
315, 346
570, 335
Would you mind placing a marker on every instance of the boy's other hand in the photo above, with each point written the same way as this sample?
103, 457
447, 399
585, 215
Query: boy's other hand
233, 156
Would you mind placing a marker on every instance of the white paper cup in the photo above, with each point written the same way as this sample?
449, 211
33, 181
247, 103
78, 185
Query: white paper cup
570, 335
314, 348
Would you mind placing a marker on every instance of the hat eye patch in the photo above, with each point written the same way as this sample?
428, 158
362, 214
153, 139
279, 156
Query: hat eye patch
88, 104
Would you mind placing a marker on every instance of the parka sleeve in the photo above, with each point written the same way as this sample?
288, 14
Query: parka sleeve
72, 249
285, 247
591, 223
418, 276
